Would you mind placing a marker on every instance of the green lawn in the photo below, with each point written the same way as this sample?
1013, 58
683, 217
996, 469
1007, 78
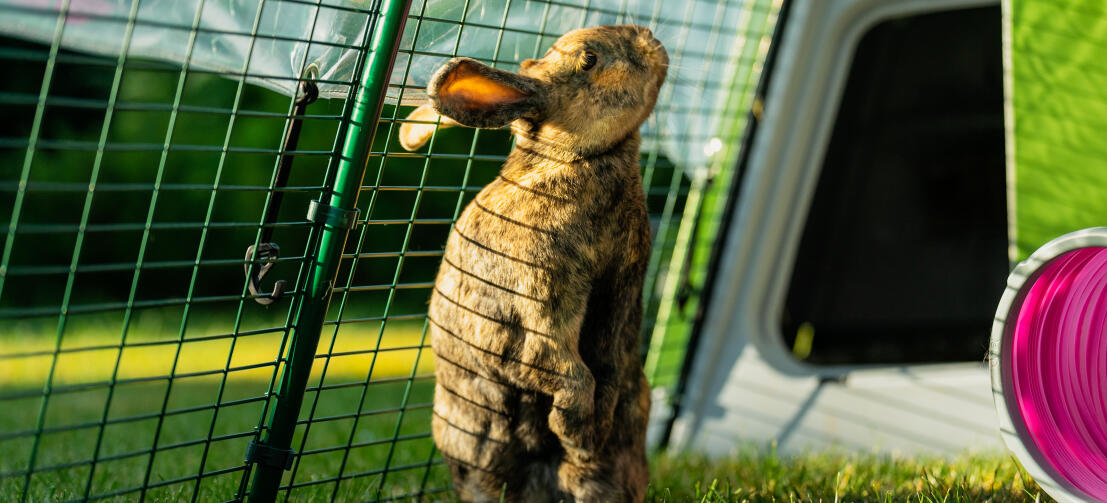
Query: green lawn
347, 412
752, 475
183, 448
200, 403
759, 476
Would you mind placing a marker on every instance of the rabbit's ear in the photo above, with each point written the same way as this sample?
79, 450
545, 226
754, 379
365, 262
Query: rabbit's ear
476, 95
415, 134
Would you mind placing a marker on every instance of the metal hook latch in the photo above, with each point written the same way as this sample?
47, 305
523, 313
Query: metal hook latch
267, 254
267, 251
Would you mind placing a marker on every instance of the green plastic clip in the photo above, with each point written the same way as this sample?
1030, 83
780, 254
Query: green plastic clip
331, 216
258, 452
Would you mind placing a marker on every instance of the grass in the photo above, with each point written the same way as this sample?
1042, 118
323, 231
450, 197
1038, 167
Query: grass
749, 476
202, 423
760, 476
183, 448
90, 356
384, 418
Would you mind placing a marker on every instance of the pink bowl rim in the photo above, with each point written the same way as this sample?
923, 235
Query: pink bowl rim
1011, 425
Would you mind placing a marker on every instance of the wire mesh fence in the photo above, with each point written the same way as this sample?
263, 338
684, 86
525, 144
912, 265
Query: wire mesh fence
135, 363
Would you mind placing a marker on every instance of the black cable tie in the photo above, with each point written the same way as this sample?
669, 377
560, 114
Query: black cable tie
319, 213
268, 455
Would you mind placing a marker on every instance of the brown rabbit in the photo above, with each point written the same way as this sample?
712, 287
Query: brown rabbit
536, 310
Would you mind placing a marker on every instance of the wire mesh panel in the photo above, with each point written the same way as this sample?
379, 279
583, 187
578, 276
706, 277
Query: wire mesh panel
686, 234
134, 362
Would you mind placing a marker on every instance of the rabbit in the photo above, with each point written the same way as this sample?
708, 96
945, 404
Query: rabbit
537, 305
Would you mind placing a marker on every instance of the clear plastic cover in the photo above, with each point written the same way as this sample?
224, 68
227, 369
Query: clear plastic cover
272, 43
290, 35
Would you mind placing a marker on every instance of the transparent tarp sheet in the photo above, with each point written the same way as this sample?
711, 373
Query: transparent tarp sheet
272, 43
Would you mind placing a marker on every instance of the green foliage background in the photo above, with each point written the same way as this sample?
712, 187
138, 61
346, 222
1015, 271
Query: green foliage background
63, 162
67, 145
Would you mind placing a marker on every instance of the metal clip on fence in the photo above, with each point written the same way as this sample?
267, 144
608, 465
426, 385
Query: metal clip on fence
265, 454
267, 252
330, 216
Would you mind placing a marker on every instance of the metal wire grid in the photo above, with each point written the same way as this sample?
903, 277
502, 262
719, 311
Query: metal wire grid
678, 275
365, 434
139, 394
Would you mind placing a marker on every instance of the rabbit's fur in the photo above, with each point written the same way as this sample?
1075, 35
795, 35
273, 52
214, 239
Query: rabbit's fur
536, 309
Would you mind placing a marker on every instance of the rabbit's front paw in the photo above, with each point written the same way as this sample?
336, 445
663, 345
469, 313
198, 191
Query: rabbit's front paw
572, 416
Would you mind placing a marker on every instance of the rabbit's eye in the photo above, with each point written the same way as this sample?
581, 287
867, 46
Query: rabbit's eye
588, 60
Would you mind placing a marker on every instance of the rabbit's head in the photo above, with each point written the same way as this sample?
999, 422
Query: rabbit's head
591, 90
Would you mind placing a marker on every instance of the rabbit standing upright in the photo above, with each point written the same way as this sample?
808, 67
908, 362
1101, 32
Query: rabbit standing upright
536, 309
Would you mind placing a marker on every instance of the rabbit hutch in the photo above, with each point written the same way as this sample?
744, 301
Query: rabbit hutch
217, 259
908, 156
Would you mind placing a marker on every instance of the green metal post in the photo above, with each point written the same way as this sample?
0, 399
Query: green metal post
334, 229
